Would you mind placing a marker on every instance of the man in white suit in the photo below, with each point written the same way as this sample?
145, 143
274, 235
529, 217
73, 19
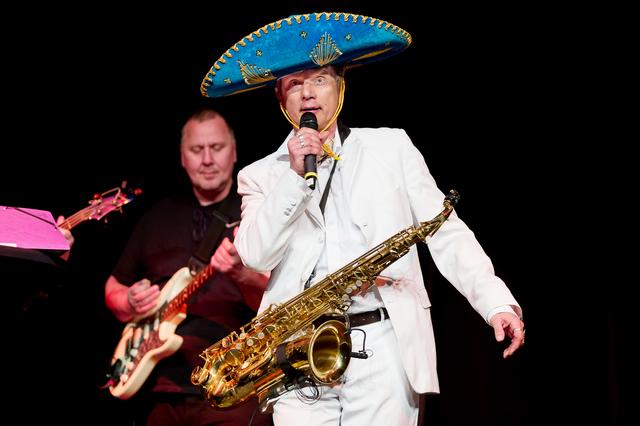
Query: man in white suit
369, 184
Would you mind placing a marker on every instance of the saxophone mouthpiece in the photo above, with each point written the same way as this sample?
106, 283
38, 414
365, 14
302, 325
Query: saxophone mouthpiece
452, 197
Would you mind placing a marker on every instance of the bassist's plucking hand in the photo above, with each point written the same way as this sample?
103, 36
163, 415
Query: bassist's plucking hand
127, 302
143, 297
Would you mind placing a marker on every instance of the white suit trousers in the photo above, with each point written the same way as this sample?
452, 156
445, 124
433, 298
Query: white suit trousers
372, 392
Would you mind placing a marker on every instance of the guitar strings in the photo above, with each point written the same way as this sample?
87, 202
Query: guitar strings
81, 216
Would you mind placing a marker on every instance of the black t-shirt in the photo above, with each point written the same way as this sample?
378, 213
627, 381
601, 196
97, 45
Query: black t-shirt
161, 244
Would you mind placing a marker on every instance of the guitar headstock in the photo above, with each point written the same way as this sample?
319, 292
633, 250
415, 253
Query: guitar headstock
111, 200
103, 204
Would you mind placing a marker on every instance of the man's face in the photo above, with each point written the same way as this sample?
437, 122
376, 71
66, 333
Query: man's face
315, 90
208, 154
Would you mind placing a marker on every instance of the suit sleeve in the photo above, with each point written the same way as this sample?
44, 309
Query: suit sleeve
454, 247
268, 215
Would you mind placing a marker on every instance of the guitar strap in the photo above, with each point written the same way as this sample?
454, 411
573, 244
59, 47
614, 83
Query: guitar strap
222, 219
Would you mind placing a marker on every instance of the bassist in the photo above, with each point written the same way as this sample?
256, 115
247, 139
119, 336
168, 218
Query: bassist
161, 244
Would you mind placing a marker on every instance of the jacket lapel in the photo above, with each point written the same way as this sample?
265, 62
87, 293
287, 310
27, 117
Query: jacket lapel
313, 210
352, 158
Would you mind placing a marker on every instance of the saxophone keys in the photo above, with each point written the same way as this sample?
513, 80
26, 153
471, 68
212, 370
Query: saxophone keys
234, 357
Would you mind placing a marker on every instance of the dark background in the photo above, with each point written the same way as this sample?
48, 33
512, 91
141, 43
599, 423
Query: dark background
494, 99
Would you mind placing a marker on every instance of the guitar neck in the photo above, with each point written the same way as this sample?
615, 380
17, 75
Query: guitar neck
77, 218
99, 207
181, 298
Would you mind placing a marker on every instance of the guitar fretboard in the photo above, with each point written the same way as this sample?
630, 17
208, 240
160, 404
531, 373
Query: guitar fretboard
182, 297
78, 217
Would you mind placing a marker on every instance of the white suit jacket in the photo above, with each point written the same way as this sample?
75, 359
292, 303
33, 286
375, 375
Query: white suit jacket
390, 188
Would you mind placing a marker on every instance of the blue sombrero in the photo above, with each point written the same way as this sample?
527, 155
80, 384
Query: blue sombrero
301, 42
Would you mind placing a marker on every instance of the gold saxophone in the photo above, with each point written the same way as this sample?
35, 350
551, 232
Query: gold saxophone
305, 338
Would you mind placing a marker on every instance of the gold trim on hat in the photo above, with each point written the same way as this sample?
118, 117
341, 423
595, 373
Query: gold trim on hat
245, 90
371, 54
325, 51
253, 74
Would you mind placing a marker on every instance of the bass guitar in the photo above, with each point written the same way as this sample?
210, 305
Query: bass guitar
149, 338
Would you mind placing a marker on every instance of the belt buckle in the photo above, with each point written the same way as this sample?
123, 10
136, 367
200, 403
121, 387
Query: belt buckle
382, 315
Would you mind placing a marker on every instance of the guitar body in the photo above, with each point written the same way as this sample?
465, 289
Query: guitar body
147, 340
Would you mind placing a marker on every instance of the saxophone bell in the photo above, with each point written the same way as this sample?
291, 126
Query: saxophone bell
322, 356
329, 351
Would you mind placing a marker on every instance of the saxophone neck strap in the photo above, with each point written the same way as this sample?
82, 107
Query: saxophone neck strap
344, 132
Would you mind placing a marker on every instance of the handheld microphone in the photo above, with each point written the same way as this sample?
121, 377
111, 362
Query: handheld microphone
309, 120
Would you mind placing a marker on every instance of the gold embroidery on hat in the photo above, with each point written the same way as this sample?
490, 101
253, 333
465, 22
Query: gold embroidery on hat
371, 54
325, 51
253, 74
206, 83
245, 90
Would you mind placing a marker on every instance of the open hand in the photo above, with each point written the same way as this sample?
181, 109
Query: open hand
506, 323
